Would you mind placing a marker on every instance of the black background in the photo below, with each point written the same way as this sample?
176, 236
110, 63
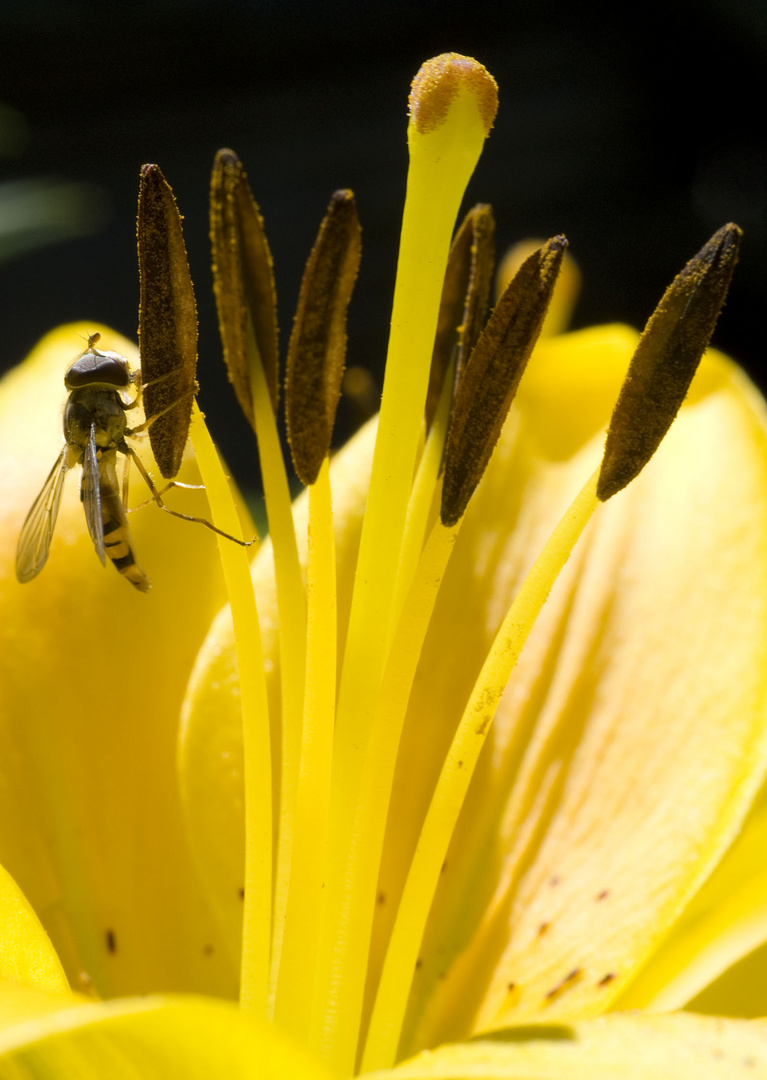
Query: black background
636, 130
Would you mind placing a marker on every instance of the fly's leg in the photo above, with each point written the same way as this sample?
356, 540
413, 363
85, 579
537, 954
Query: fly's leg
161, 492
148, 423
157, 497
159, 379
154, 496
135, 378
126, 478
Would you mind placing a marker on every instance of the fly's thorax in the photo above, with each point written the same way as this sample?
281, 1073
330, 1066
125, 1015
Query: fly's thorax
99, 406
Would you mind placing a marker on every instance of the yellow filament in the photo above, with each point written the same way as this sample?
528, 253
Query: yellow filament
441, 163
446, 803
291, 606
353, 884
257, 915
297, 962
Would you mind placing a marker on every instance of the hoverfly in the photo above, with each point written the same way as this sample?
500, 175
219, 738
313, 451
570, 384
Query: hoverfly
95, 430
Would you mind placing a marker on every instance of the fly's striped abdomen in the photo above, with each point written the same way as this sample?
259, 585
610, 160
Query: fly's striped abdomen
117, 539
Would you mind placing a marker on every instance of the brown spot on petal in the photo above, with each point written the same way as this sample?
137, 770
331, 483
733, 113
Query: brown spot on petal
564, 984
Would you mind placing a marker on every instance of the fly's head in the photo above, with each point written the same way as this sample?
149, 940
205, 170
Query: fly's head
99, 370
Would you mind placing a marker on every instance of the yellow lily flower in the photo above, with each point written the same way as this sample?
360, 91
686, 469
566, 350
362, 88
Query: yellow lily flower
588, 847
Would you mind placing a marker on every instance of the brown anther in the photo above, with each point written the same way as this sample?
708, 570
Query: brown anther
465, 296
167, 330
492, 374
666, 360
317, 349
243, 281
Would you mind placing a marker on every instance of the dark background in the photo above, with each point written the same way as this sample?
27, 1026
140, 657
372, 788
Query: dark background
630, 129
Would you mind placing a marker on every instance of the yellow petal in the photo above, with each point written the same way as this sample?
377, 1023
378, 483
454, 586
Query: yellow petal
723, 926
677, 1047
27, 957
92, 680
739, 990
21, 1003
151, 1038
631, 738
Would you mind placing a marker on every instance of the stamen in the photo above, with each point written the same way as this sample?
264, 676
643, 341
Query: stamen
295, 981
243, 279
257, 914
315, 365
167, 329
492, 376
317, 349
238, 271
463, 310
666, 360
465, 296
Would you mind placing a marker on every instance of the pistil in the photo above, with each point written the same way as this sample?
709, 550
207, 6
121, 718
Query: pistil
453, 105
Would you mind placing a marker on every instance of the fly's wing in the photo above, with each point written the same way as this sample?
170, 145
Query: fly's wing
90, 493
35, 539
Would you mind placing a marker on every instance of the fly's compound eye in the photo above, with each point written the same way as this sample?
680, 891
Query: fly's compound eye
96, 368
